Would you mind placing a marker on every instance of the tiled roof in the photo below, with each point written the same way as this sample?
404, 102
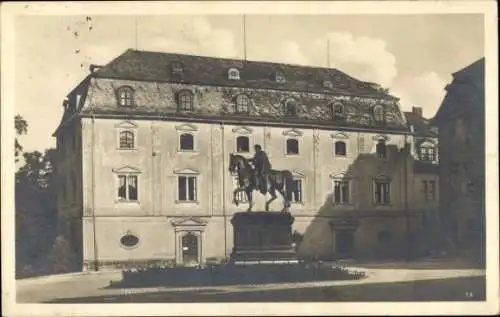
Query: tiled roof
467, 89
421, 125
201, 70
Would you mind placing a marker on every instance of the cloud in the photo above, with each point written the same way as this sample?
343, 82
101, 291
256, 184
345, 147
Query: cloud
362, 57
426, 90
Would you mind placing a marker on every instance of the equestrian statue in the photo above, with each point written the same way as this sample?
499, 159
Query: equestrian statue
256, 174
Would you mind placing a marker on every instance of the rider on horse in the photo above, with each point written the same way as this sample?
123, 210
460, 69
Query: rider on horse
262, 167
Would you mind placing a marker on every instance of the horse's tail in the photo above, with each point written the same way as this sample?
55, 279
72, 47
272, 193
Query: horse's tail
287, 175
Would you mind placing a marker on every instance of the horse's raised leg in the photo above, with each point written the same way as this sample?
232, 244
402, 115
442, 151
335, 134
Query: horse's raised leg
273, 197
248, 191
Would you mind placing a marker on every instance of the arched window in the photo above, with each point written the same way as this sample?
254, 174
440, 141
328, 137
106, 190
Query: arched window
290, 107
381, 149
233, 73
340, 148
242, 144
338, 112
125, 96
126, 140
242, 104
280, 77
292, 146
186, 142
379, 115
185, 100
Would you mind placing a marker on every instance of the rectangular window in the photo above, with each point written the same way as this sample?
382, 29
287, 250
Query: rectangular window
241, 196
297, 191
187, 188
382, 192
341, 191
127, 188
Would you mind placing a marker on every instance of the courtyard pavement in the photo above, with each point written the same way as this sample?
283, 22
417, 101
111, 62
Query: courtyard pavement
386, 281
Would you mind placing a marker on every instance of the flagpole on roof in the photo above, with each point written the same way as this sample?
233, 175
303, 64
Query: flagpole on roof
328, 52
244, 38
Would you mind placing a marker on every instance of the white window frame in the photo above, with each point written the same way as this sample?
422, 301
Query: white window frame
187, 129
236, 104
119, 91
375, 116
127, 171
243, 131
123, 127
299, 176
180, 141
292, 134
241, 197
187, 173
233, 73
342, 201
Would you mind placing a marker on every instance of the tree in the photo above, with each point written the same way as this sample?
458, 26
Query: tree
36, 207
21, 127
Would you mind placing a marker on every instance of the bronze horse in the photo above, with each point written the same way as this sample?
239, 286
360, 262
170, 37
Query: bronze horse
281, 181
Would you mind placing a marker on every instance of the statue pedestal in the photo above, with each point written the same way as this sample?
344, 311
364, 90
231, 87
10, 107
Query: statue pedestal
263, 238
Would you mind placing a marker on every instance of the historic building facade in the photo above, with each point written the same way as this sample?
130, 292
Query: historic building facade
145, 140
460, 120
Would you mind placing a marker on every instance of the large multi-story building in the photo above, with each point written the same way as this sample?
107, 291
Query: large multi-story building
144, 144
460, 119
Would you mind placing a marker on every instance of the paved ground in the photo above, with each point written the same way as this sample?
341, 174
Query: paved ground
393, 281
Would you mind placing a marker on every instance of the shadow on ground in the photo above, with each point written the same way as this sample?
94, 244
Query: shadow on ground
454, 289
434, 263
226, 275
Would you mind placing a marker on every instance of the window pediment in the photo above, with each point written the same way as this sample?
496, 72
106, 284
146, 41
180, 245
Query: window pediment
341, 175
126, 125
292, 132
188, 222
242, 130
381, 137
188, 171
339, 135
186, 127
127, 169
427, 143
298, 173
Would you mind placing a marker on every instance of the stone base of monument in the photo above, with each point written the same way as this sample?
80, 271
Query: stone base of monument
263, 238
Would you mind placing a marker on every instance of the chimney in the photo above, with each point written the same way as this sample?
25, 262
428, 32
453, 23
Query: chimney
417, 111
94, 67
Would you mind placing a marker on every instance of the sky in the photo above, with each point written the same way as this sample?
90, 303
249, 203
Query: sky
411, 55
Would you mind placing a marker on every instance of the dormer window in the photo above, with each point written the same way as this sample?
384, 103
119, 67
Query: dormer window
379, 114
242, 104
177, 68
327, 84
185, 100
125, 96
233, 74
291, 107
280, 78
338, 112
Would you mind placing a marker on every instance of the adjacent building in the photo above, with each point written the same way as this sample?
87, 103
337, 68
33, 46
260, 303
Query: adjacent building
144, 144
460, 120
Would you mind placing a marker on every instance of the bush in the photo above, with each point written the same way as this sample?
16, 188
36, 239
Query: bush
61, 258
